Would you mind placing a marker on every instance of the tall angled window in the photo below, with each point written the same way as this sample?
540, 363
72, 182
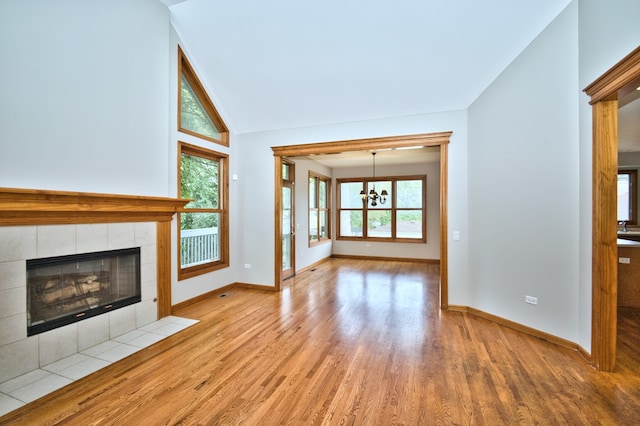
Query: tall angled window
319, 208
203, 232
197, 115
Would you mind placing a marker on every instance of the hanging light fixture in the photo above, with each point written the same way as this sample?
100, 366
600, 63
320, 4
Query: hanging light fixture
373, 195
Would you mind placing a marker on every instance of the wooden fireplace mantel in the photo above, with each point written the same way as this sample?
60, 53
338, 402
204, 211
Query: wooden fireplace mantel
43, 207
22, 207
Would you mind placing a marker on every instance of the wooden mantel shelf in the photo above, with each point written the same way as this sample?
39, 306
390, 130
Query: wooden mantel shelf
42, 207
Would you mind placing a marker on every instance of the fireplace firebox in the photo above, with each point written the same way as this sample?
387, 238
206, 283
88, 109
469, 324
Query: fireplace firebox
64, 289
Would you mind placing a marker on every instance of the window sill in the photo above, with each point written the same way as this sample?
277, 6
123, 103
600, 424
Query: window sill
194, 271
319, 243
385, 240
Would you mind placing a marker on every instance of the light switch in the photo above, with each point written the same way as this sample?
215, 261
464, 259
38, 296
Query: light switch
456, 235
624, 260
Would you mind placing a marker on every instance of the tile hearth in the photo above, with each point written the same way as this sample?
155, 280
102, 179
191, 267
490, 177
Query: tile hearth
28, 387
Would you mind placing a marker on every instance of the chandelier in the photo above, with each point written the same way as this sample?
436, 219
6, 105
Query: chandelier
373, 195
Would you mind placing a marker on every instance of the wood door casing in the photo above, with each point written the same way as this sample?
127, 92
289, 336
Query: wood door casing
604, 94
288, 235
440, 139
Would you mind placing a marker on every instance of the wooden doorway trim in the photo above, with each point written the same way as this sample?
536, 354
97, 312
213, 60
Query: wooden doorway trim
290, 183
604, 94
440, 139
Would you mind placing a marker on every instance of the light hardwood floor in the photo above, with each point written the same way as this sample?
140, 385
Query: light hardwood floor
352, 342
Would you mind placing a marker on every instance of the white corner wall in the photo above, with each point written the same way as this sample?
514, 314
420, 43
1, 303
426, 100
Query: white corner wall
305, 255
84, 96
543, 93
524, 186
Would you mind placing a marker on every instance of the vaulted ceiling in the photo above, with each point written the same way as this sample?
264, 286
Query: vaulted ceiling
292, 63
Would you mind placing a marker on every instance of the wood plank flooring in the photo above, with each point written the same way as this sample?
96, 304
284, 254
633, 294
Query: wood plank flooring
352, 342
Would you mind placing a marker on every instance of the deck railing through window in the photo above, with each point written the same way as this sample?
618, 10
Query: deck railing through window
199, 246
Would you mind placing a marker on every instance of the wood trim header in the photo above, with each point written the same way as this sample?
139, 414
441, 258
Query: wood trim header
424, 139
44, 207
623, 73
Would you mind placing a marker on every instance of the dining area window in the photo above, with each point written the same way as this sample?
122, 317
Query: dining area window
398, 215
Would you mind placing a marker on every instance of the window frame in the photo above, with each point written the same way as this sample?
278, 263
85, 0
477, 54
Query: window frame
222, 210
317, 177
633, 194
392, 200
185, 68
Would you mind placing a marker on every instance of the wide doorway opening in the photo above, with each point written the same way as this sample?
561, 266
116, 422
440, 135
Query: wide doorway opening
440, 139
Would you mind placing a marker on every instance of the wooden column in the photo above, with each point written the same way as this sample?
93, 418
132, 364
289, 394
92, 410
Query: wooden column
604, 243
163, 265
277, 225
604, 92
444, 228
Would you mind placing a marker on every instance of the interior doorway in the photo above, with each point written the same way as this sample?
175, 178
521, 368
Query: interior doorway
604, 93
440, 139
287, 208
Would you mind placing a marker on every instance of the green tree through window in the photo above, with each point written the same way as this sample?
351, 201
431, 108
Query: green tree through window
193, 115
203, 242
319, 208
203, 231
197, 115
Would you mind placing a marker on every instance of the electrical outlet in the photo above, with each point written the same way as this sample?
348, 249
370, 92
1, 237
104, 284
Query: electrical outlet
530, 299
624, 260
247, 266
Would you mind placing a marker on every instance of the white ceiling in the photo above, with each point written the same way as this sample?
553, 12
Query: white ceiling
383, 157
291, 63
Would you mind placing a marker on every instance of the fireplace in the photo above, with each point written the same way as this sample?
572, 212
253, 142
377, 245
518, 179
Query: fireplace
43, 224
64, 289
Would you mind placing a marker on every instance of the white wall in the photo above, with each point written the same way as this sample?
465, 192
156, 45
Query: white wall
256, 168
90, 105
630, 161
430, 249
306, 255
524, 186
75, 112
608, 32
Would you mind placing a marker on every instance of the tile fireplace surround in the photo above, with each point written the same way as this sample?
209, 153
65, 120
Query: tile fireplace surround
37, 224
21, 354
